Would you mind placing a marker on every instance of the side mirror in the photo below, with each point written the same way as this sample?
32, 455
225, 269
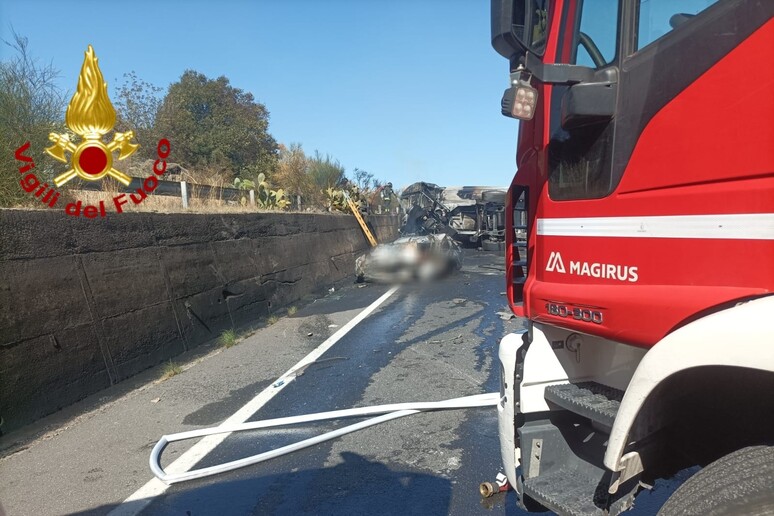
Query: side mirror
588, 104
508, 27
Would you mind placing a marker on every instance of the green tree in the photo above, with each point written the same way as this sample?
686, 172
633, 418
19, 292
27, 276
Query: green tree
326, 172
292, 173
212, 124
326, 175
137, 105
31, 107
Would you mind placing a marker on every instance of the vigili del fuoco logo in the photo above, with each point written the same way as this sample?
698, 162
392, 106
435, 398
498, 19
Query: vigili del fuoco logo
91, 116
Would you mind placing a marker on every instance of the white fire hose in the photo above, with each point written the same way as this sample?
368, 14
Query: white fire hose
393, 411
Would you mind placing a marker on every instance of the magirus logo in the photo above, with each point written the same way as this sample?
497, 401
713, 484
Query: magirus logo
592, 270
555, 263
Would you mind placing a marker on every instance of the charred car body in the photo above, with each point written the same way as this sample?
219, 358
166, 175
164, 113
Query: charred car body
410, 258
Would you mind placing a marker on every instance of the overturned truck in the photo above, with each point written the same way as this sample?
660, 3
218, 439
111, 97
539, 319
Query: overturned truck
472, 215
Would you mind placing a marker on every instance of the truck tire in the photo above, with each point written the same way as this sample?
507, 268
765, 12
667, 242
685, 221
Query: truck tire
492, 245
742, 482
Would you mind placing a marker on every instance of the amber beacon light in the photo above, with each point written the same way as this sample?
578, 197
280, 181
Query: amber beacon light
90, 115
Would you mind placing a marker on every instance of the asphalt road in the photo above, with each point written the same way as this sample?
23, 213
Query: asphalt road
424, 343
427, 342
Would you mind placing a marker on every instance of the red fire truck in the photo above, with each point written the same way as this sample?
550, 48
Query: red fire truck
645, 186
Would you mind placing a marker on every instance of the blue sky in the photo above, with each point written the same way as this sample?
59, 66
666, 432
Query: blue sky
408, 90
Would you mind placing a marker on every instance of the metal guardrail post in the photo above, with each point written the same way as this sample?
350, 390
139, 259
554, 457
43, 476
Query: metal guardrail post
184, 193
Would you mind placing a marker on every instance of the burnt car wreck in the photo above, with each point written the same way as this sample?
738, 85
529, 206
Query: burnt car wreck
410, 258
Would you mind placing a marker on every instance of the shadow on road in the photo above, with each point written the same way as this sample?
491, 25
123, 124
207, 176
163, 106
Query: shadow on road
356, 486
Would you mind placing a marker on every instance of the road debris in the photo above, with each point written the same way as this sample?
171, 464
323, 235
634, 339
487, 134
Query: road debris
301, 370
488, 489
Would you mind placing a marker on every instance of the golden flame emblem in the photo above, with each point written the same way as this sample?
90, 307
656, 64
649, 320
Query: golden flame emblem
91, 115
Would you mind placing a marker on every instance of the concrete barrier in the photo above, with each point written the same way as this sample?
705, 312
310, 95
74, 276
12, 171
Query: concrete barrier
87, 303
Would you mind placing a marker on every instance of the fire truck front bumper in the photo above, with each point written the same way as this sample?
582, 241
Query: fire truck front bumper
509, 402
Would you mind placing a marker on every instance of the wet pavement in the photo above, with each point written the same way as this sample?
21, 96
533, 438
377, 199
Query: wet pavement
427, 342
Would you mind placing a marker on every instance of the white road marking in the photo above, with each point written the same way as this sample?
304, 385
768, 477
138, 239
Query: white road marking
141, 498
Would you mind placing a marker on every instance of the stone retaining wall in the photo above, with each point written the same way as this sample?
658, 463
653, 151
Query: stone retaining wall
87, 303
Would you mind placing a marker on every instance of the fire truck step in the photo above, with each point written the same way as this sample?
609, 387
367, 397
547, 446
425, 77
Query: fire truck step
589, 399
569, 491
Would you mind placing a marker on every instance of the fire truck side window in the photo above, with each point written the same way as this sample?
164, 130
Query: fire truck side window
659, 17
580, 158
595, 42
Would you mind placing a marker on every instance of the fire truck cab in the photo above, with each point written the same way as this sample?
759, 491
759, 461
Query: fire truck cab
645, 187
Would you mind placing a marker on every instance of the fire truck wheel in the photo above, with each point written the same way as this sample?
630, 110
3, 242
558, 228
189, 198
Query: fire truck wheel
739, 483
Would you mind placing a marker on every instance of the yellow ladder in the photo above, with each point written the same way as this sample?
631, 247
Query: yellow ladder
359, 217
